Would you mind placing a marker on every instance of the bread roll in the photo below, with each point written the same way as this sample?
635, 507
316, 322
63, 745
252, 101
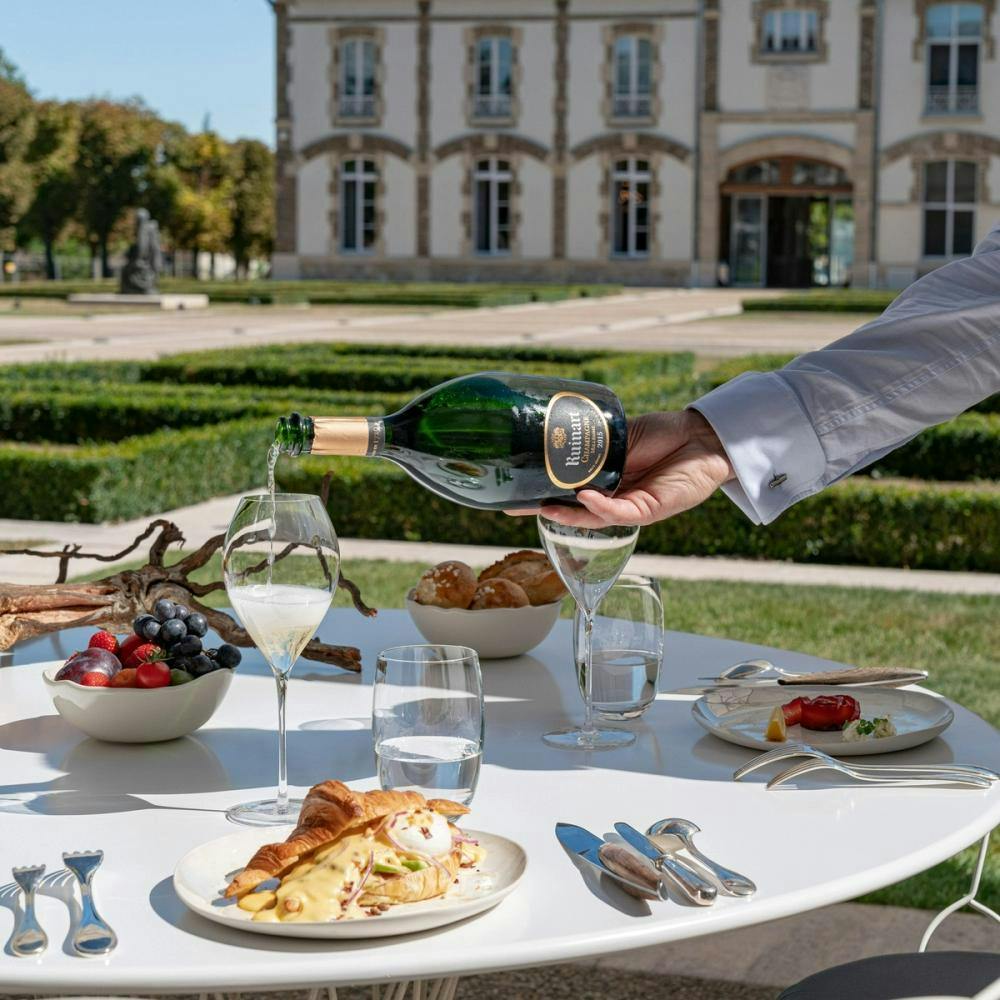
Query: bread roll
450, 584
499, 593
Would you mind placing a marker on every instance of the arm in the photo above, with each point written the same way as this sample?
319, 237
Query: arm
932, 354
771, 439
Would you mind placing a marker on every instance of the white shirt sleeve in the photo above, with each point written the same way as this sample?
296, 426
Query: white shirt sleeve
932, 354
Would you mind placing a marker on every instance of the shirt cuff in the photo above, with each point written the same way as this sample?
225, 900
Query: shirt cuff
770, 441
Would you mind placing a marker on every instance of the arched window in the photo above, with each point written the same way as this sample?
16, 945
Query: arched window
358, 57
953, 32
357, 206
491, 186
949, 208
633, 77
630, 184
494, 77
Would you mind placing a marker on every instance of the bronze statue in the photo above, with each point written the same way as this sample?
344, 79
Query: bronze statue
144, 257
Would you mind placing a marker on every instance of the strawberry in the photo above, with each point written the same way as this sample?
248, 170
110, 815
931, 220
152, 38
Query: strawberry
146, 652
104, 640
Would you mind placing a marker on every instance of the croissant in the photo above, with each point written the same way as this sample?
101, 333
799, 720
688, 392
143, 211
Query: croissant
328, 812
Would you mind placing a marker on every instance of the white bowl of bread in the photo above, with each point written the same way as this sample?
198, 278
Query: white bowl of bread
506, 610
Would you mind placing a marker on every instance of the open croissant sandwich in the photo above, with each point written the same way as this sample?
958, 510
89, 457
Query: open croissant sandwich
355, 854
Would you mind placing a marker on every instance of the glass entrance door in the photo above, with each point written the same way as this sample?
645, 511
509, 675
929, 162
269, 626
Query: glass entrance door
748, 240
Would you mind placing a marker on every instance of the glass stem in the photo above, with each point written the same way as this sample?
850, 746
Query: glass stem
588, 660
281, 800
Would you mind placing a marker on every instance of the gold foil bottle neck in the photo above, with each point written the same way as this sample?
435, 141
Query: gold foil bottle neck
340, 436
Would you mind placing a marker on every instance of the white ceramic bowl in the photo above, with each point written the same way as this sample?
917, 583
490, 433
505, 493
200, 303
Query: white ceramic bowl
138, 715
494, 633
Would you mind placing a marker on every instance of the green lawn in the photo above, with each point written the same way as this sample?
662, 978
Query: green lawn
955, 637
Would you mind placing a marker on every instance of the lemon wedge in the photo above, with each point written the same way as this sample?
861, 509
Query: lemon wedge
776, 730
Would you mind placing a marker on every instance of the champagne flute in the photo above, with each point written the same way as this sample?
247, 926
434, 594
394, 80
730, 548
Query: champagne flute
281, 563
589, 561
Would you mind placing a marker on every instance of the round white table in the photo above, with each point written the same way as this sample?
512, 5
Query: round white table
147, 805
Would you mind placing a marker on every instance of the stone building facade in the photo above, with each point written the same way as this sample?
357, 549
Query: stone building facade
688, 142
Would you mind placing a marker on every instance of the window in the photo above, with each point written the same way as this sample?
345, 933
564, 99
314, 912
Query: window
357, 78
953, 31
357, 206
790, 32
630, 208
494, 78
492, 180
949, 216
633, 77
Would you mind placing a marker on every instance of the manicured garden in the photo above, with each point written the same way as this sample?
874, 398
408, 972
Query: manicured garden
381, 293
104, 441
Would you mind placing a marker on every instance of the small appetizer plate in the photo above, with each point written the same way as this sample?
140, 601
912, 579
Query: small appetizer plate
202, 874
740, 716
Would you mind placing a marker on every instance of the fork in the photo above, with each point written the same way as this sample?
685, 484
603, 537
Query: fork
887, 770
885, 776
94, 936
29, 939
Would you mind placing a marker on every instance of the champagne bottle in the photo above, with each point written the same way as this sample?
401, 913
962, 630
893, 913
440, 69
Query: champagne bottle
493, 440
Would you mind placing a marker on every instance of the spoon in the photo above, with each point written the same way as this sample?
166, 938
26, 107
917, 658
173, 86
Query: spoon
671, 835
745, 669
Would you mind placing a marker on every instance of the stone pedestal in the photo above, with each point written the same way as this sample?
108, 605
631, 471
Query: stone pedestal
158, 301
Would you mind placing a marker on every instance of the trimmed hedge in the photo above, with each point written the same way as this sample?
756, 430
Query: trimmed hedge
444, 294
860, 300
134, 477
861, 521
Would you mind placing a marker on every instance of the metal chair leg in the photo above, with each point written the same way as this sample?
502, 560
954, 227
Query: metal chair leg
967, 900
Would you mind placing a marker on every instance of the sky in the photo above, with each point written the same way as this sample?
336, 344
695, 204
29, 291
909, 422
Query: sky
184, 58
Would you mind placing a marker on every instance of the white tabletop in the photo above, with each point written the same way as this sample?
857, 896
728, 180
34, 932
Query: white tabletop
148, 805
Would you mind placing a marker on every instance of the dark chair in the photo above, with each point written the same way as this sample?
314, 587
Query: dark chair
903, 977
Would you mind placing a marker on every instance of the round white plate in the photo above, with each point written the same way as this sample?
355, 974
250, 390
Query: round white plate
740, 715
203, 873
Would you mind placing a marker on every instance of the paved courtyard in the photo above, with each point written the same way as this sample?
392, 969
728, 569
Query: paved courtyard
704, 320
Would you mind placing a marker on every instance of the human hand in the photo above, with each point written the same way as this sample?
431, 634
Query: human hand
675, 461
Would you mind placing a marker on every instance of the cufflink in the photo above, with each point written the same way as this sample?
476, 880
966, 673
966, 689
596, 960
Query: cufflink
777, 481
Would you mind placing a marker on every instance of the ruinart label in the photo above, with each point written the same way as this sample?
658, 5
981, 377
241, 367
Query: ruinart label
576, 440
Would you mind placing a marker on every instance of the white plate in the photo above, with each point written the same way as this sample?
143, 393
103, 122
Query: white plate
740, 715
203, 873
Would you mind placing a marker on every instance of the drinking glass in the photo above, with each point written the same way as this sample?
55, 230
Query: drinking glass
589, 561
627, 648
428, 720
280, 563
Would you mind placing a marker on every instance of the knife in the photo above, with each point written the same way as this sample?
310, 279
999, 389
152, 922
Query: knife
694, 888
583, 844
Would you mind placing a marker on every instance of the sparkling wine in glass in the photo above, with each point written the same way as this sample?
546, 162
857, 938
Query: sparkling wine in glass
281, 563
589, 561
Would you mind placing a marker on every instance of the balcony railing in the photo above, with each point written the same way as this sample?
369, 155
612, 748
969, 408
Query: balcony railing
491, 106
952, 100
632, 106
357, 106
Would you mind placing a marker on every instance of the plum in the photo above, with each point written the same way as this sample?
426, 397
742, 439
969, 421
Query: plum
89, 661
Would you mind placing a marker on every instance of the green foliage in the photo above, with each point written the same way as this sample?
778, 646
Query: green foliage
251, 202
17, 128
858, 300
437, 293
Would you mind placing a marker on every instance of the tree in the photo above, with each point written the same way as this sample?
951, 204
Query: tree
251, 202
9, 71
200, 217
51, 155
116, 153
17, 129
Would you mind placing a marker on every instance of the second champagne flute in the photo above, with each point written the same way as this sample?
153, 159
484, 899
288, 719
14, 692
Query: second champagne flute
588, 560
281, 564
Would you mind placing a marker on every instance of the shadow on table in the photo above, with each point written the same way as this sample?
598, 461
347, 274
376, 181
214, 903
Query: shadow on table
168, 907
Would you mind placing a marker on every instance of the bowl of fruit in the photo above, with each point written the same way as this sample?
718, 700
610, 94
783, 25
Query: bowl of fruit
159, 683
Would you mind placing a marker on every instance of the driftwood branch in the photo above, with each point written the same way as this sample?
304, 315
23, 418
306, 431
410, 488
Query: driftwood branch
113, 602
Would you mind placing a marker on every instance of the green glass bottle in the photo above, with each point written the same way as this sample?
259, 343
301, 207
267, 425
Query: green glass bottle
493, 440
